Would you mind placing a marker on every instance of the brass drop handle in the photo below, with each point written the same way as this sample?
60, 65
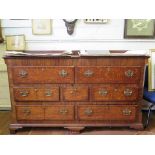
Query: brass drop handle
23, 73
127, 112
24, 93
103, 92
129, 73
128, 92
48, 93
88, 112
27, 112
63, 73
63, 111
88, 73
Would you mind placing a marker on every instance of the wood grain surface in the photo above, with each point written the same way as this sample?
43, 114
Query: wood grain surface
77, 92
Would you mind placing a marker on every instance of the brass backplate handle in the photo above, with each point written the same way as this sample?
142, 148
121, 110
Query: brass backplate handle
23, 73
127, 112
88, 73
63, 111
103, 92
48, 93
63, 73
129, 73
88, 112
27, 112
128, 92
24, 93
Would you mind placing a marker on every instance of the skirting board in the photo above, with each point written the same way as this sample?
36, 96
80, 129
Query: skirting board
5, 104
5, 108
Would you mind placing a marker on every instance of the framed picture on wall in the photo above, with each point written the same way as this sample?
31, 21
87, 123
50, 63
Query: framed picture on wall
1, 38
41, 26
139, 28
96, 21
15, 42
151, 71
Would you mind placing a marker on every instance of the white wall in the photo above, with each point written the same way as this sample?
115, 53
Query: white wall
86, 36
4, 86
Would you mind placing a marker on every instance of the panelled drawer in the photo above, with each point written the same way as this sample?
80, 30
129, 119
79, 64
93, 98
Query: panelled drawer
107, 113
108, 74
30, 113
115, 92
59, 112
75, 93
36, 75
36, 94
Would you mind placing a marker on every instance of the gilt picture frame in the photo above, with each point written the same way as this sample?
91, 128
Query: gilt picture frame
1, 38
15, 43
41, 26
139, 28
151, 71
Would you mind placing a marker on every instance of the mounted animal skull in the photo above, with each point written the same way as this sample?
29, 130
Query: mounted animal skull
70, 24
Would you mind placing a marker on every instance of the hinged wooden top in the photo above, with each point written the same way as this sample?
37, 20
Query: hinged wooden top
72, 54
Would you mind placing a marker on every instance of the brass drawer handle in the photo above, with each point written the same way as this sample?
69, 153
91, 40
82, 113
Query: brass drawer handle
24, 93
63, 111
128, 92
88, 73
23, 73
127, 112
88, 112
48, 93
63, 73
27, 112
129, 73
73, 91
103, 92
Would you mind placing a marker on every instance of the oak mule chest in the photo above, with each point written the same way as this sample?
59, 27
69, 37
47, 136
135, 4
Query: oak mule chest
76, 92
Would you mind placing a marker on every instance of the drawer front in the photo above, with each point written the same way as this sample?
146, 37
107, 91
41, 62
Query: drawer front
75, 93
115, 92
36, 94
106, 113
108, 74
30, 113
59, 113
31, 75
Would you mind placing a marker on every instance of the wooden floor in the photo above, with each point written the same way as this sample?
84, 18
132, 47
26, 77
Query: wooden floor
5, 120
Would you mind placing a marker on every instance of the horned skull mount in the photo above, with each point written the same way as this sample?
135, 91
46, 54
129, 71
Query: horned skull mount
70, 24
